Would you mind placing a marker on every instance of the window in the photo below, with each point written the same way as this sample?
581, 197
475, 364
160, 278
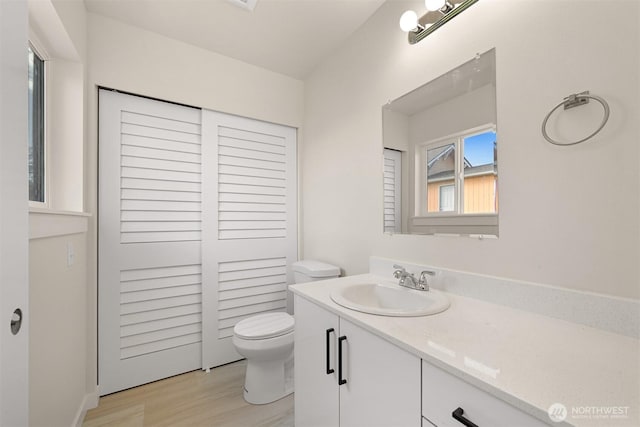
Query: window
36, 128
446, 198
458, 182
474, 190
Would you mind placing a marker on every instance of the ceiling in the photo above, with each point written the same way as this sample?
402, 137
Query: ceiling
286, 36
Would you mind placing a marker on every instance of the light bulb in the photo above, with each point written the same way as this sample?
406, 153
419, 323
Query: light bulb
434, 5
409, 21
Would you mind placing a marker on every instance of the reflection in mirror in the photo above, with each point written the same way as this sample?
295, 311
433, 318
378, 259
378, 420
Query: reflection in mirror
443, 135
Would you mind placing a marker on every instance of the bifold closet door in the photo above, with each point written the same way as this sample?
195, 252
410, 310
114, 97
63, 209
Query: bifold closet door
150, 216
250, 225
392, 176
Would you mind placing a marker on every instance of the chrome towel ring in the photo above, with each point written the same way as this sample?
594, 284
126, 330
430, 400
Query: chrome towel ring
576, 100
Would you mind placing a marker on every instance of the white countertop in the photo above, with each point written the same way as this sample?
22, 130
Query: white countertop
528, 360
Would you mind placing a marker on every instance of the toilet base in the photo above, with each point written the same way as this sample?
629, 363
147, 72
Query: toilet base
268, 381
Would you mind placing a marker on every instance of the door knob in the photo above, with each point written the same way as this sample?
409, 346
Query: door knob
16, 321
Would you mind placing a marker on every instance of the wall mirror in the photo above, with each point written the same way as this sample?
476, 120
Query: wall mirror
440, 163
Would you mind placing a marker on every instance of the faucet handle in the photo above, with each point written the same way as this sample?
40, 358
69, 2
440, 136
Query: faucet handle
400, 271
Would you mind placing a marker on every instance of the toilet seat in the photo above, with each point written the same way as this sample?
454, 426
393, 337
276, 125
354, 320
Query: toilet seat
263, 326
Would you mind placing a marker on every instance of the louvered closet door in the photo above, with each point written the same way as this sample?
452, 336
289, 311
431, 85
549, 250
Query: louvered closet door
250, 229
150, 273
392, 175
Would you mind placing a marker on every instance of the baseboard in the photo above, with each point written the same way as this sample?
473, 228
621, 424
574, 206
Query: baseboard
89, 401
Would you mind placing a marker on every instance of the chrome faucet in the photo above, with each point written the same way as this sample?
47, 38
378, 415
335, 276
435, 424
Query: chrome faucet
408, 280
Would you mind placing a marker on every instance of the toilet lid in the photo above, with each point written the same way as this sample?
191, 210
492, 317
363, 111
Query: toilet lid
262, 326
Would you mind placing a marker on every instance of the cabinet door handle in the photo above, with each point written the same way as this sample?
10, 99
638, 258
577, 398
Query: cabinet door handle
330, 370
457, 415
341, 380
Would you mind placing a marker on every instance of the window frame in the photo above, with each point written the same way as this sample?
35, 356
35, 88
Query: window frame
37, 49
447, 222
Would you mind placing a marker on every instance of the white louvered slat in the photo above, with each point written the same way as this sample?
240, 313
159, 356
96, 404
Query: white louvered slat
249, 291
165, 313
252, 189
253, 282
251, 300
251, 163
252, 234
148, 120
160, 293
224, 141
249, 154
251, 180
149, 184
160, 282
391, 190
252, 198
160, 216
251, 225
158, 133
160, 175
160, 154
251, 216
162, 236
170, 196
229, 323
251, 309
160, 144
250, 207
248, 135
247, 171
161, 165
159, 205
171, 342
138, 307
159, 325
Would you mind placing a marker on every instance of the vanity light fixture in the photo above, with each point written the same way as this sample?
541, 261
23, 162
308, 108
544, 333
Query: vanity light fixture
439, 13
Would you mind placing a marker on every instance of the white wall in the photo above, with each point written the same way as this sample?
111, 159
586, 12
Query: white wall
57, 338
569, 216
59, 387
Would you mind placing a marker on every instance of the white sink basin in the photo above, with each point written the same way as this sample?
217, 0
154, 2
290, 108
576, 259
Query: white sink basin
390, 300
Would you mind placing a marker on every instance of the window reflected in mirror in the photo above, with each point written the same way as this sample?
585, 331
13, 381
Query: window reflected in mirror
445, 132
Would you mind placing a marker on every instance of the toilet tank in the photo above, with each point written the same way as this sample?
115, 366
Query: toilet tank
310, 270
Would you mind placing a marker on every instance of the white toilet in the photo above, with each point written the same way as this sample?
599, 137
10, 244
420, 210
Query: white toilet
266, 340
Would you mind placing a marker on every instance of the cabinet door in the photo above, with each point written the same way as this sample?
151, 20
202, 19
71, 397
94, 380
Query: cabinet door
383, 382
316, 392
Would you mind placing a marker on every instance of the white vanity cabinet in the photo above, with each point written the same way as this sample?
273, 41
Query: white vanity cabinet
443, 394
346, 376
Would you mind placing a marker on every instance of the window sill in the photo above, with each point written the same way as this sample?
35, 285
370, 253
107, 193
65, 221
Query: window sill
464, 225
45, 223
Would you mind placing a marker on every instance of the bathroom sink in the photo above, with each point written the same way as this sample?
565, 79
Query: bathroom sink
390, 300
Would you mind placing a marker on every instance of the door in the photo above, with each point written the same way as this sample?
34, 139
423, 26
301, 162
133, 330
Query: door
14, 239
316, 395
250, 226
392, 176
150, 216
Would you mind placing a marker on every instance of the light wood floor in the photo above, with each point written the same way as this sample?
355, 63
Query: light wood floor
192, 399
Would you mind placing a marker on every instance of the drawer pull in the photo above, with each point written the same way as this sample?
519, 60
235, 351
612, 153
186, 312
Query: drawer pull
330, 370
457, 415
341, 381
